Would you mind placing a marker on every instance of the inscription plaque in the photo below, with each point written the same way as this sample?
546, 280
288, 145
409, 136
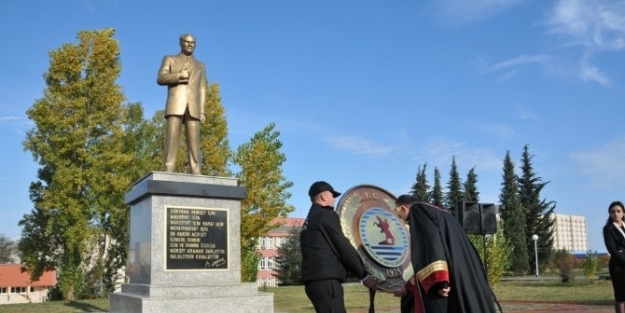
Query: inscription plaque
196, 238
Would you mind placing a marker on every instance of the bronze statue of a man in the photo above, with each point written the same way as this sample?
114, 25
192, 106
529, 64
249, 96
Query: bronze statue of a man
185, 78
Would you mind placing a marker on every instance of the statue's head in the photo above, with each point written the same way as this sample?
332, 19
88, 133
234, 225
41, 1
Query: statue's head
187, 44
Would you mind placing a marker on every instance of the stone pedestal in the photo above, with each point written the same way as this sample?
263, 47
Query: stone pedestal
184, 248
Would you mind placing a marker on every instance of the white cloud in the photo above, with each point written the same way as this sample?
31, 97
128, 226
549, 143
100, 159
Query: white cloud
598, 25
11, 119
518, 61
499, 130
439, 152
508, 76
468, 11
511, 67
588, 72
525, 114
361, 146
602, 165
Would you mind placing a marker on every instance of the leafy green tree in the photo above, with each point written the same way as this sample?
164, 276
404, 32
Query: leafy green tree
513, 218
216, 154
144, 139
496, 256
454, 188
78, 141
420, 188
260, 161
538, 213
470, 187
8, 248
590, 266
436, 195
289, 260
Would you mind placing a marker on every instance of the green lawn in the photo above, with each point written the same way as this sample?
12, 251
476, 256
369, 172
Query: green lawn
293, 300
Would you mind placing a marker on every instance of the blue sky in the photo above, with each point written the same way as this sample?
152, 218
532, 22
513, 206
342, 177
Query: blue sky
363, 92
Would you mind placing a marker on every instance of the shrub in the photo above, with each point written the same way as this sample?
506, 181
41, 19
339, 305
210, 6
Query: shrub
564, 263
590, 266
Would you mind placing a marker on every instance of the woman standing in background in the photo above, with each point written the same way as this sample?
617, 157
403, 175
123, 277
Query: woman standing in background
614, 238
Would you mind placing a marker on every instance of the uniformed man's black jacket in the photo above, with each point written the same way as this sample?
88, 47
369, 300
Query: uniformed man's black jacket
326, 252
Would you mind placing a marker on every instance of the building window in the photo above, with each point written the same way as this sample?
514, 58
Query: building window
269, 243
3, 290
18, 289
32, 289
263, 263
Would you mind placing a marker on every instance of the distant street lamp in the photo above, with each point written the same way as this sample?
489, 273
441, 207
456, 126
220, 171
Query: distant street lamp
535, 238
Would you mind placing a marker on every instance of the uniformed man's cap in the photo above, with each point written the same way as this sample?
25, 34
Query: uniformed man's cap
321, 186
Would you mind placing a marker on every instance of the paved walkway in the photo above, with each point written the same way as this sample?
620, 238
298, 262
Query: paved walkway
525, 308
555, 307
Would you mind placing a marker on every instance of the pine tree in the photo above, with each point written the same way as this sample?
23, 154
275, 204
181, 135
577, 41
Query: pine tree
470, 187
78, 141
420, 188
261, 173
513, 218
436, 195
289, 260
538, 213
454, 188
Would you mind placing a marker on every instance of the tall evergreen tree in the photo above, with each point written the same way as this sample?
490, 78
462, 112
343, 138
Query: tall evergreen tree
470, 187
289, 260
538, 213
454, 188
420, 188
261, 172
78, 141
513, 218
436, 195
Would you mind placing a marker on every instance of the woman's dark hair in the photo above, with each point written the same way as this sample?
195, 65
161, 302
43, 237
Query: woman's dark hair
613, 204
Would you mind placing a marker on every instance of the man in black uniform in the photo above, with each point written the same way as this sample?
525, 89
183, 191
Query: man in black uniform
449, 275
327, 254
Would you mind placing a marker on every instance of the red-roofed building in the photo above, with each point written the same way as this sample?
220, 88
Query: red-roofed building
16, 287
268, 248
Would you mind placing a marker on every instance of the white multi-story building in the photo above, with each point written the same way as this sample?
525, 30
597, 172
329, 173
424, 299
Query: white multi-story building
569, 232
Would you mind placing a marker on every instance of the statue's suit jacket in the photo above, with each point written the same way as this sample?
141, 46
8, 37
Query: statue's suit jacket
182, 93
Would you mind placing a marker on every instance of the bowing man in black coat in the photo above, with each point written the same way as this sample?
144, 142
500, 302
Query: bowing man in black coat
449, 276
614, 238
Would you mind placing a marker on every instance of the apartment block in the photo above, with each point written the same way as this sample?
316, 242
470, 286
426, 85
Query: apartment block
570, 232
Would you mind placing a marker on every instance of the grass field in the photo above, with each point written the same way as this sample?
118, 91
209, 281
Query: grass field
293, 300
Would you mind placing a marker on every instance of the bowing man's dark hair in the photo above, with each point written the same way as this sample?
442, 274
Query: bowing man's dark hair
405, 200
613, 204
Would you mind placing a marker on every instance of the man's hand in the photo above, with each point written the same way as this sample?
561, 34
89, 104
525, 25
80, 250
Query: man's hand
183, 75
369, 282
401, 293
444, 292
202, 118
